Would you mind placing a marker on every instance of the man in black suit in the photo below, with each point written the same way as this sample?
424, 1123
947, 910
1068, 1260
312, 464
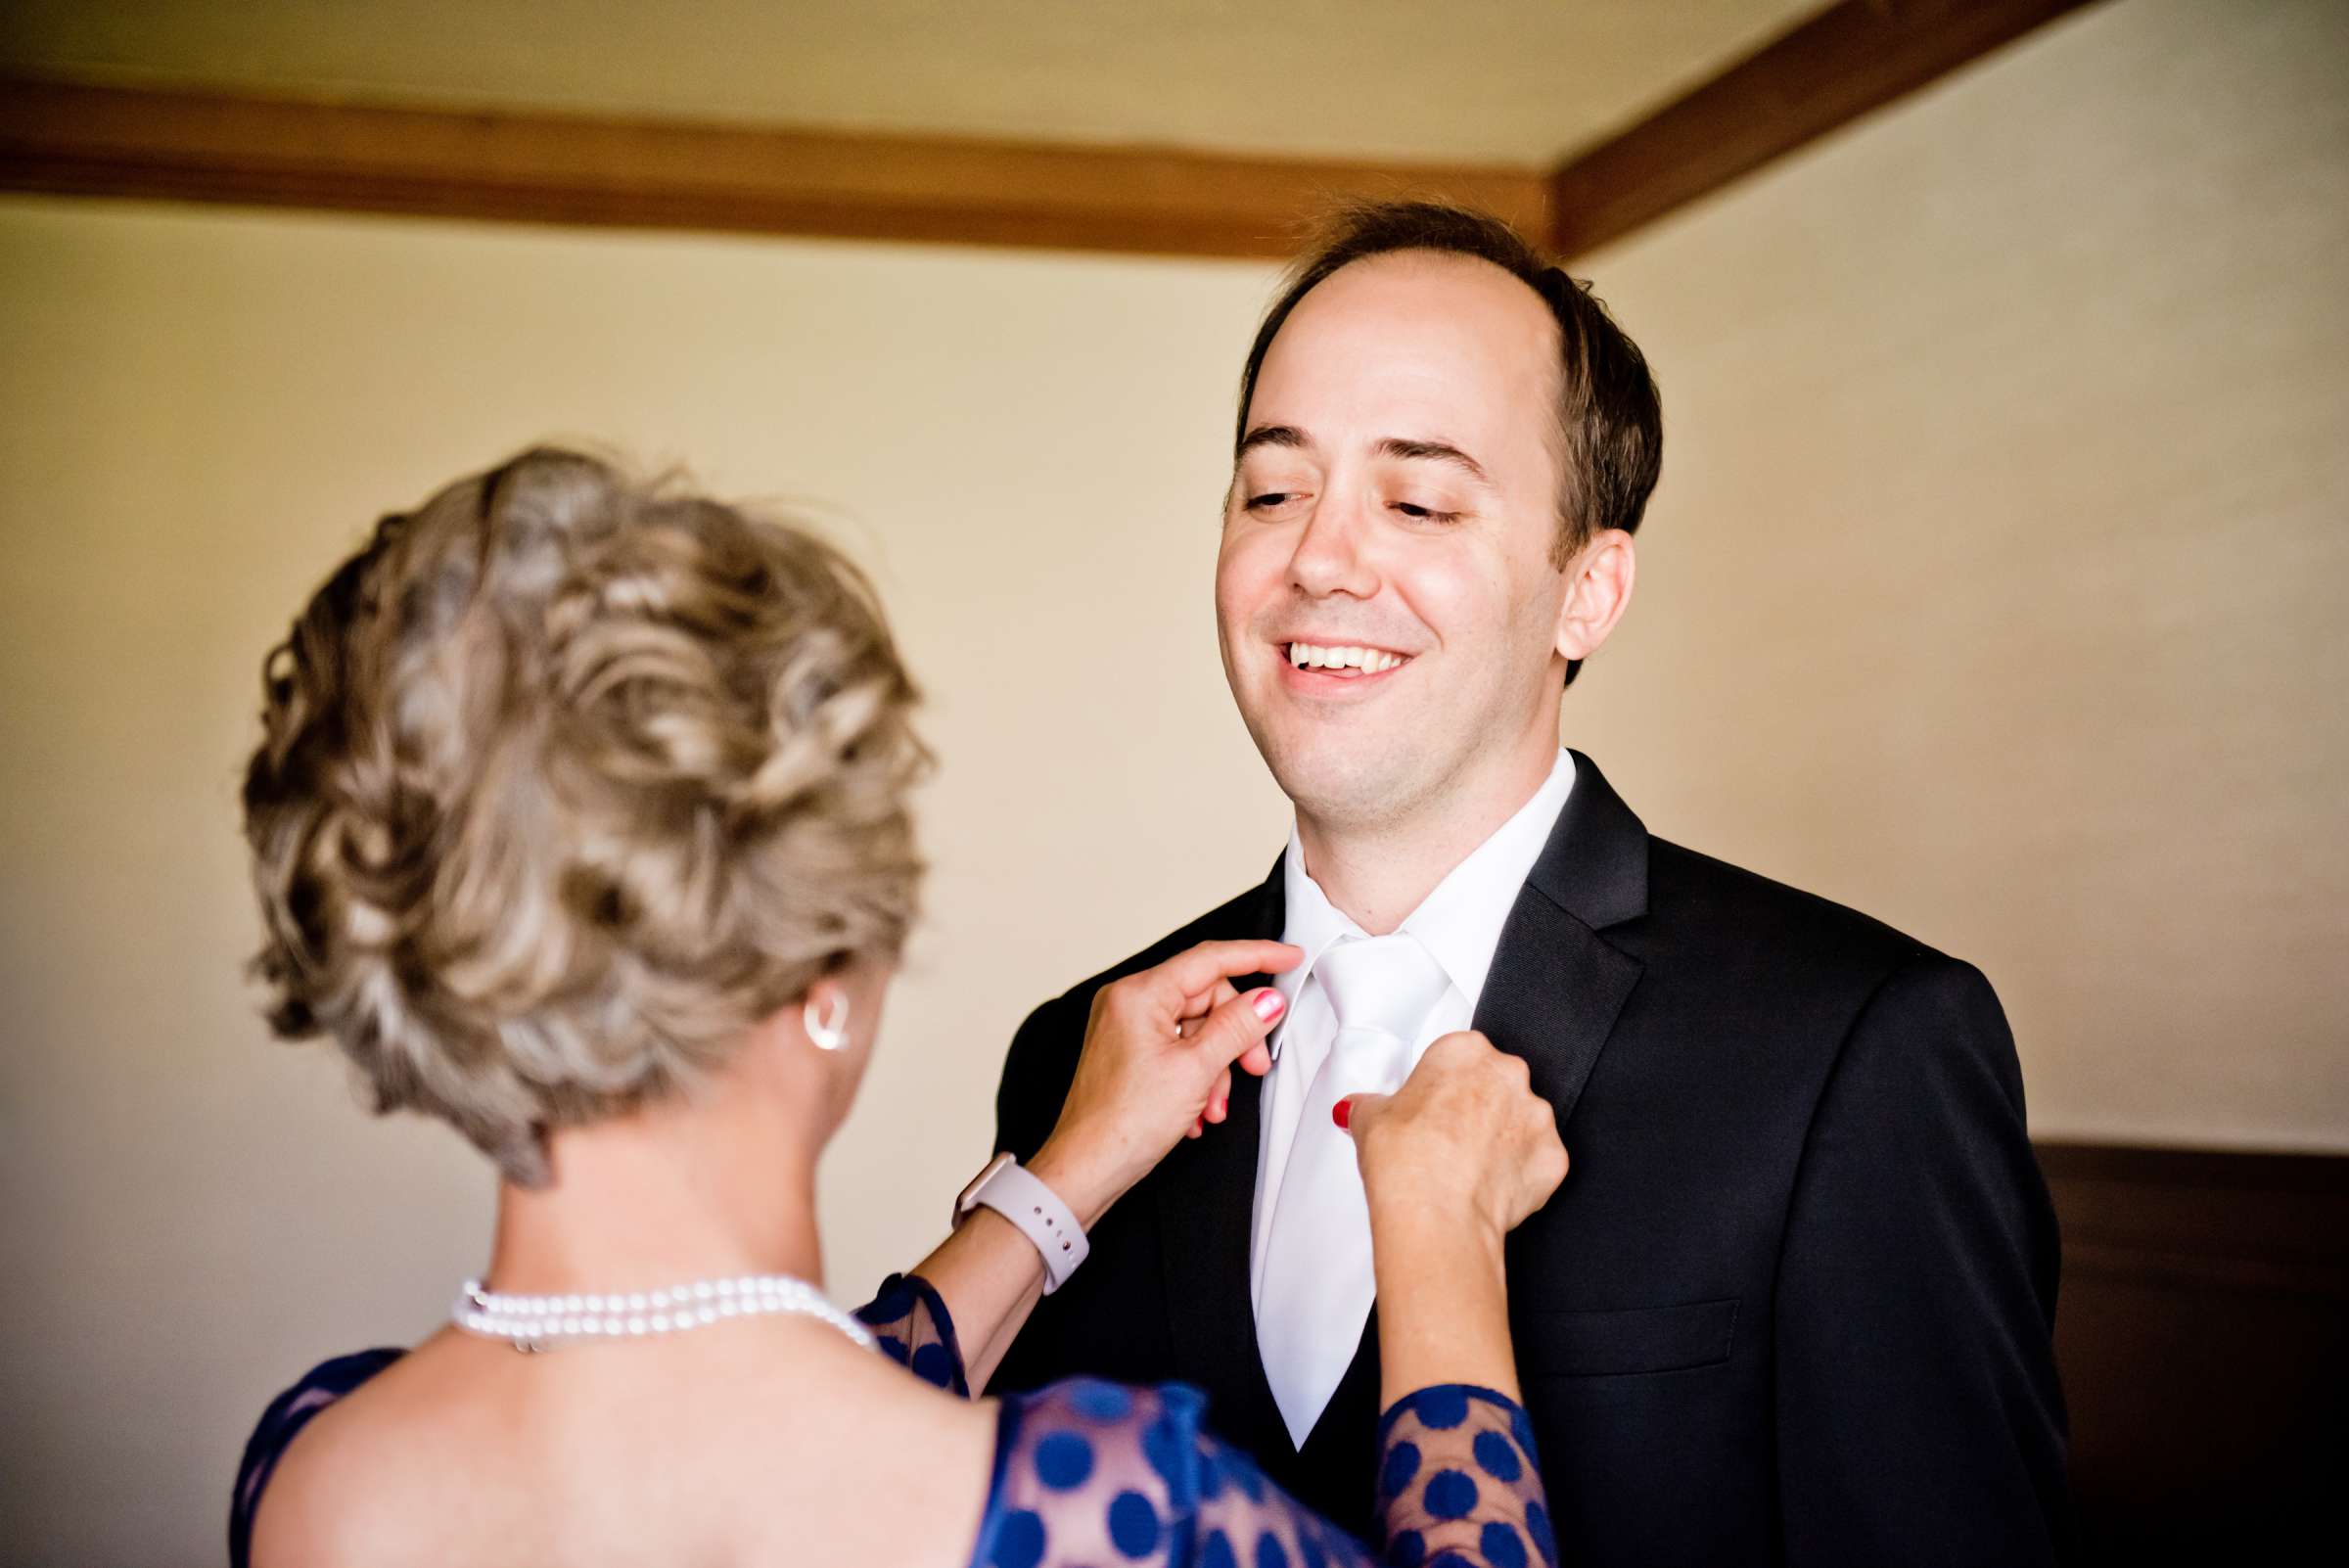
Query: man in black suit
1794, 1301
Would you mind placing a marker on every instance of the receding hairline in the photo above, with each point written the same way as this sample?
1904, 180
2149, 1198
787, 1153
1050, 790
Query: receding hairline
1421, 257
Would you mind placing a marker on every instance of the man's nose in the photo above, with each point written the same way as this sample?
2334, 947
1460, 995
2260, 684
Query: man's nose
1332, 554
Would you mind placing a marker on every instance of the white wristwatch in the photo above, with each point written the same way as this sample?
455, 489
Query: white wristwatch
1020, 1197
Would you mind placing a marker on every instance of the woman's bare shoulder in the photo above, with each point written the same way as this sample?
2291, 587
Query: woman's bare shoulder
337, 1474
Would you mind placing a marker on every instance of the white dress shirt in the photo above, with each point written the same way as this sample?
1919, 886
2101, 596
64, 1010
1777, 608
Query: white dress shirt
1459, 923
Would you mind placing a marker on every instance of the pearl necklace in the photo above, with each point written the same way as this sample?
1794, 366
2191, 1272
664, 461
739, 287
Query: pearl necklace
531, 1324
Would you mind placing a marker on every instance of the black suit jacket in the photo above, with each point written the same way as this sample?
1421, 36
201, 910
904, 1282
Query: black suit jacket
1794, 1302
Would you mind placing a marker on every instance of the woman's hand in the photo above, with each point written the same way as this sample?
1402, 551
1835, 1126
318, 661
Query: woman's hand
1157, 1065
1465, 1138
1451, 1163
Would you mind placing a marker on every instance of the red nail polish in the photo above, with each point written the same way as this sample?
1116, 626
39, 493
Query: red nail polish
1268, 1003
1339, 1112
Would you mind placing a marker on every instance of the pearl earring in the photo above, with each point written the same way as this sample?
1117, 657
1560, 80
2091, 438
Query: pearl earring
828, 1031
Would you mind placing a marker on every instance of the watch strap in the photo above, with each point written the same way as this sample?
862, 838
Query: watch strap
1021, 1196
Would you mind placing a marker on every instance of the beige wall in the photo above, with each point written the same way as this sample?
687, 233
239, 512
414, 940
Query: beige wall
1995, 587
200, 412
1998, 581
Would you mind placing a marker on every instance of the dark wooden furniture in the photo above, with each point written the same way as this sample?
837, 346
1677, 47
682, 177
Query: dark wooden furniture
2203, 1339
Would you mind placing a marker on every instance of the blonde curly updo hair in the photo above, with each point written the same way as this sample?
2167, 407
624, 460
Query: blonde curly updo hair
565, 783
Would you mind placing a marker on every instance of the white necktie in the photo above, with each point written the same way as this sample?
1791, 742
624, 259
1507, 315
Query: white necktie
1318, 1284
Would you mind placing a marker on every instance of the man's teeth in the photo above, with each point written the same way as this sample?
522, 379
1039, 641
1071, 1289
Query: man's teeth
1369, 661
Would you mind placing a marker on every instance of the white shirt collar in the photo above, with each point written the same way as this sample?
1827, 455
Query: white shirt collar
1460, 921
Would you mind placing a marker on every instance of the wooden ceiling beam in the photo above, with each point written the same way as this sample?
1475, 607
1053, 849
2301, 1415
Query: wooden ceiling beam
196, 147
1821, 75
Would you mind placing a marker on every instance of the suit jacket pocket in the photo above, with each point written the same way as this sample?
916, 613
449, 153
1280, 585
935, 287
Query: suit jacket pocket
1646, 1339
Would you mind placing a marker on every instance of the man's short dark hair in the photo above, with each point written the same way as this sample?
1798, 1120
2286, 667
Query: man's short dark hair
1610, 436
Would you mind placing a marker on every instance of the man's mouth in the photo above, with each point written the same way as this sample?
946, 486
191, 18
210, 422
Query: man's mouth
1345, 662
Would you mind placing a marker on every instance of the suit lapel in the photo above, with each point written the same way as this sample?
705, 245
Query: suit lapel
1552, 996
1556, 986
1206, 1193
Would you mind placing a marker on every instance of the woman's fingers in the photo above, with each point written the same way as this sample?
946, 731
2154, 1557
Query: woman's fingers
1238, 1027
1200, 1004
1197, 969
1468, 1121
1355, 1112
1187, 1017
1157, 1042
1219, 1098
1187, 1003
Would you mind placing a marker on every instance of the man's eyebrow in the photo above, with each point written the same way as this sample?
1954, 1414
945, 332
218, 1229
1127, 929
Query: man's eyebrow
1273, 435
1432, 451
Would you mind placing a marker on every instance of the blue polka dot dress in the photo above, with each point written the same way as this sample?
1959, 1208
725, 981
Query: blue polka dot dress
1096, 1473
1093, 1473
1099, 1474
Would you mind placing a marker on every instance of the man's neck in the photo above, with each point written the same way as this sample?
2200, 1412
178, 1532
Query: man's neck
1377, 873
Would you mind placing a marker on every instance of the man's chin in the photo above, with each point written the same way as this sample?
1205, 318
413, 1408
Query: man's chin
1341, 791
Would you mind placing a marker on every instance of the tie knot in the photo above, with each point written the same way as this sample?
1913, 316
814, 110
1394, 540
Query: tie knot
1382, 983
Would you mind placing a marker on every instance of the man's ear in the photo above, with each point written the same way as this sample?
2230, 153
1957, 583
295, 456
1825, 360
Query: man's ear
1598, 589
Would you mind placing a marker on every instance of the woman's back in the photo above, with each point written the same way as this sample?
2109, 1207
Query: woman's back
762, 1443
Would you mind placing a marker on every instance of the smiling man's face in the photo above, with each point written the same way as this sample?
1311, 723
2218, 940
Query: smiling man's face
1385, 594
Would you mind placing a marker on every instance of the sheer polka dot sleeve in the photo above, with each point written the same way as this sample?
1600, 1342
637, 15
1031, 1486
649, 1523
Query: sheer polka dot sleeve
915, 1331
1098, 1474
1459, 1482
